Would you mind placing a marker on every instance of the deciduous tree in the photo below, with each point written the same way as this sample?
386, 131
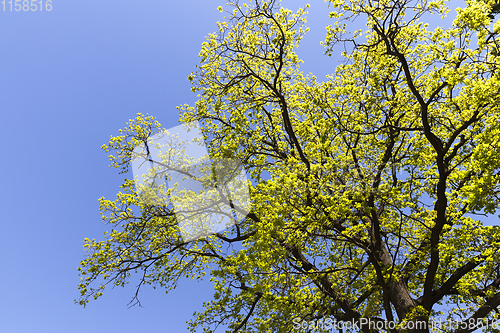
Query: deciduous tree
369, 189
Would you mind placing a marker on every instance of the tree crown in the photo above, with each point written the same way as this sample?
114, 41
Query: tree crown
367, 188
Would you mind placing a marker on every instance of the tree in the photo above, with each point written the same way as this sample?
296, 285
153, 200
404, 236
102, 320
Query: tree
368, 189
495, 9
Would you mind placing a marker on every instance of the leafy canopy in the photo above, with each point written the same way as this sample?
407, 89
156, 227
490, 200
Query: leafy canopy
368, 189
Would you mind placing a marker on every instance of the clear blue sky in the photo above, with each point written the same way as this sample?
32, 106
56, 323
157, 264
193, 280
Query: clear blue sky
69, 79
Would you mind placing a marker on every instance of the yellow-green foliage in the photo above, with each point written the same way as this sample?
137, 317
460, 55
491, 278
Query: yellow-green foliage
367, 189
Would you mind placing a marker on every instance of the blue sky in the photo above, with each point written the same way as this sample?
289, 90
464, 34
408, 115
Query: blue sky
70, 78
